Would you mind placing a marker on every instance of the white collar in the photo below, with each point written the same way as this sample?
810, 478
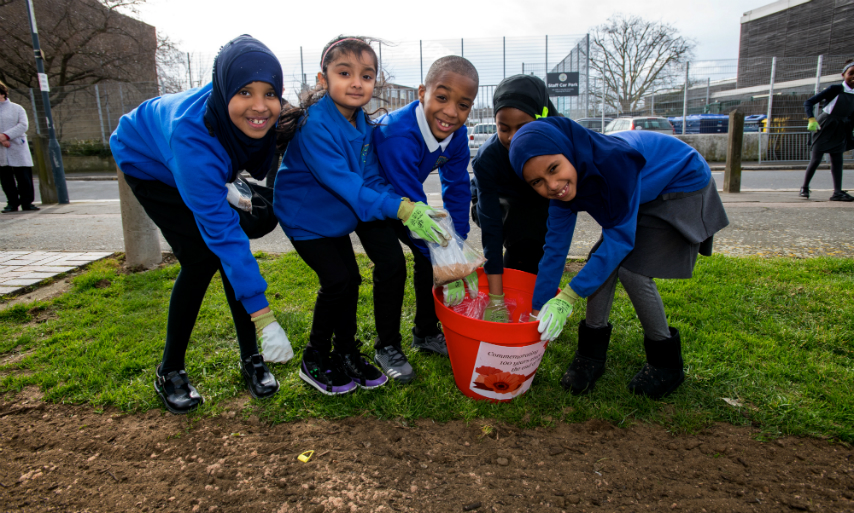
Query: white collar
845, 87
429, 138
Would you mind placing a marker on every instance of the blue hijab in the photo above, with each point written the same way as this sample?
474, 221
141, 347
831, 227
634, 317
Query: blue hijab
607, 167
241, 61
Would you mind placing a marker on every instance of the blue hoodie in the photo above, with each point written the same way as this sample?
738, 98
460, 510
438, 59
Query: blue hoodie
329, 179
671, 166
165, 139
406, 162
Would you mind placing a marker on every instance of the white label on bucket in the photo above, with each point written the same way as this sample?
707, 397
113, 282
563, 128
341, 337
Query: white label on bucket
502, 372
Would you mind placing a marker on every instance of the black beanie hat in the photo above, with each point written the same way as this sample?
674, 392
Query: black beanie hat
526, 93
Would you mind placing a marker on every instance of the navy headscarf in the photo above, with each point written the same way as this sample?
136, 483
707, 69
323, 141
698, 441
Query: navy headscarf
607, 167
526, 93
241, 61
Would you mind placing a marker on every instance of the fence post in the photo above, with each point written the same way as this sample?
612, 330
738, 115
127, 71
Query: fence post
817, 83
122, 98
189, 72
421, 59
504, 54
302, 72
547, 56
603, 105
770, 106
35, 112
708, 86
685, 100
735, 138
100, 115
141, 236
587, 72
462, 48
652, 105
107, 104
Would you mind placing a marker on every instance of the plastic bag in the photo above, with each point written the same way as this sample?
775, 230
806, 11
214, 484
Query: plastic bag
239, 195
475, 308
456, 260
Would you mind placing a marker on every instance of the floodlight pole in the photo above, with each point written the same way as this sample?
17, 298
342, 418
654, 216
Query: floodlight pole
54, 152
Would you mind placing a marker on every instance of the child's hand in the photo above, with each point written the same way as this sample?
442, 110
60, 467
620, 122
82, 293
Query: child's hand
554, 314
454, 293
418, 217
273, 340
813, 125
496, 310
471, 284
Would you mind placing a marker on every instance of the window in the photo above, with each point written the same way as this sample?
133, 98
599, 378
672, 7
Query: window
653, 124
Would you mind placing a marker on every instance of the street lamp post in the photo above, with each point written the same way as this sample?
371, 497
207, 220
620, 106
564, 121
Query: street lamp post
55, 154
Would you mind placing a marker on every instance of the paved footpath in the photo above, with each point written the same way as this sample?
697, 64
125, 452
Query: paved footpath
764, 223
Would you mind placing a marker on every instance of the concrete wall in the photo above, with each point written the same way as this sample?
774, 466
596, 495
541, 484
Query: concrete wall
713, 147
88, 164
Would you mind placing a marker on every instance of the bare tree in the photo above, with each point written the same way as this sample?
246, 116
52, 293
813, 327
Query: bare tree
636, 58
84, 42
171, 67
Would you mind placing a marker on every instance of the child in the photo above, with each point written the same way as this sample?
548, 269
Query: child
510, 213
329, 186
177, 153
428, 135
656, 201
834, 127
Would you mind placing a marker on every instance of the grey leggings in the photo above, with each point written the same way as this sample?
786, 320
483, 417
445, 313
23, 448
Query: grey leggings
644, 296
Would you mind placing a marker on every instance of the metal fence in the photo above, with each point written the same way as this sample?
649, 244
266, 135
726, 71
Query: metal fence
772, 87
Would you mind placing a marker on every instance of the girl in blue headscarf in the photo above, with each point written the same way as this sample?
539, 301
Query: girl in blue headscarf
658, 206
177, 153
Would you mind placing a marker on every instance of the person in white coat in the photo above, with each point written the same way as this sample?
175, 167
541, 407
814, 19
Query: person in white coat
16, 163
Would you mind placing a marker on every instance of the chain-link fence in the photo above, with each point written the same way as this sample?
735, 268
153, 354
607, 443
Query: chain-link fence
769, 91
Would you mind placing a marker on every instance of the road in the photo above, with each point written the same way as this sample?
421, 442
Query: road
751, 181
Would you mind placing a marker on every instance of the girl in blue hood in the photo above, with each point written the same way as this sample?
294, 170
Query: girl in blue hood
656, 201
177, 153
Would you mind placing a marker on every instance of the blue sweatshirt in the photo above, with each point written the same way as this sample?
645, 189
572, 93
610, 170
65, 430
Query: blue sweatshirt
329, 179
165, 139
671, 166
406, 161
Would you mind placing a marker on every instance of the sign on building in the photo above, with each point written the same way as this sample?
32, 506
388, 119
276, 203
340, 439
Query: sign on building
562, 83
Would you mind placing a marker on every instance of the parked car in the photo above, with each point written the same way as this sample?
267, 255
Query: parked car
648, 123
480, 133
594, 124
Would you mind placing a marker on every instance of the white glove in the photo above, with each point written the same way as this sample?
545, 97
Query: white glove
275, 345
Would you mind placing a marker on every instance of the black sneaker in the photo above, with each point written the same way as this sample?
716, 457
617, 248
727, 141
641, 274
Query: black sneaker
430, 344
9, 208
805, 192
178, 394
325, 373
841, 196
258, 377
29, 207
360, 371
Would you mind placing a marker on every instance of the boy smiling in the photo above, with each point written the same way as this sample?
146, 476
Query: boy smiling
428, 135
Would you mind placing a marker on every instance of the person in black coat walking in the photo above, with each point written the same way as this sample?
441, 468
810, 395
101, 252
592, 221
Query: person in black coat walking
832, 131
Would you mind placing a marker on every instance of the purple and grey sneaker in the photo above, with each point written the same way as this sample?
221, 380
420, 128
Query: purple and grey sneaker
324, 373
360, 371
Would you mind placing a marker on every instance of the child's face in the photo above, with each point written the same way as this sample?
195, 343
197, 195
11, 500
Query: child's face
255, 109
447, 103
350, 81
552, 176
509, 120
848, 76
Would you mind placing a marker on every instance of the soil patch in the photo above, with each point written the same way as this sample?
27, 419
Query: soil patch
45, 293
72, 458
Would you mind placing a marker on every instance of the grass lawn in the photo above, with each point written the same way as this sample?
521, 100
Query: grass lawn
775, 335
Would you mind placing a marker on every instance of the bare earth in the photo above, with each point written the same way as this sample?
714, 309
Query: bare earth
72, 458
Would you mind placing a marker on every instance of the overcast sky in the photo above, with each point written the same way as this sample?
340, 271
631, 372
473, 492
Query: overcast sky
204, 25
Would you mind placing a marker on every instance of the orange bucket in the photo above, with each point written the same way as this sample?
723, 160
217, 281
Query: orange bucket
494, 361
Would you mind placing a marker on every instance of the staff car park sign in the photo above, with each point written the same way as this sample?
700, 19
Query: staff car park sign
562, 83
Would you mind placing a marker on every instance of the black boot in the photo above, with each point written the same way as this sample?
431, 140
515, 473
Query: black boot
178, 394
662, 374
589, 362
805, 192
258, 377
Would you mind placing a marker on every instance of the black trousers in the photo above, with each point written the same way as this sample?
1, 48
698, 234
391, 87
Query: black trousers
835, 169
524, 255
334, 319
389, 277
426, 322
176, 221
22, 194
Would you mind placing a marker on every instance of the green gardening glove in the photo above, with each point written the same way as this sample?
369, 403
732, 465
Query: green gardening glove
454, 293
471, 284
496, 310
418, 217
813, 125
554, 314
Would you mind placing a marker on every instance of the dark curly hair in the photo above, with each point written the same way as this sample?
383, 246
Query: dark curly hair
294, 116
4, 91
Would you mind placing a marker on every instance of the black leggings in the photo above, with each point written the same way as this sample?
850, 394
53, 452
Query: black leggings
426, 321
22, 194
524, 255
176, 221
333, 260
835, 169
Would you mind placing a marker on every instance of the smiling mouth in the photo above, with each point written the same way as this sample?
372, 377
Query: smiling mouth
443, 126
561, 193
257, 122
